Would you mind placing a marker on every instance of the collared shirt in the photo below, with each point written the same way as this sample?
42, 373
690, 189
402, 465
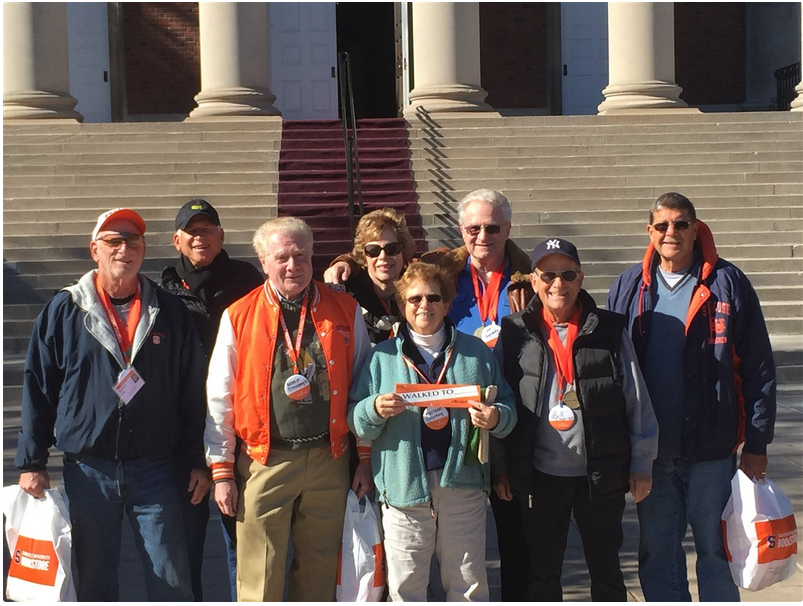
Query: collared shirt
465, 312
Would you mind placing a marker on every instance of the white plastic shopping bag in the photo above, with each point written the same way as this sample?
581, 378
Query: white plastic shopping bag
760, 533
40, 542
360, 573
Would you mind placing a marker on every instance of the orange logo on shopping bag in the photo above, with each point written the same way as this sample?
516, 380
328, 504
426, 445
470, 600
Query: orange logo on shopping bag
379, 565
777, 539
34, 561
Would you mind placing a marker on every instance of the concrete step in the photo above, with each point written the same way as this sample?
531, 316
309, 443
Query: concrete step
478, 148
83, 224
145, 188
604, 165
514, 177
679, 121
155, 155
264, 202
11, 148
532, 189
426, 158
539, 138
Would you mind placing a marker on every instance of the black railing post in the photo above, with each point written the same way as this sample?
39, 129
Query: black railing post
348, 121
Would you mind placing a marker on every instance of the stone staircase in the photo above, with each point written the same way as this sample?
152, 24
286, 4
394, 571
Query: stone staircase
590, 179
59, 178
313, 179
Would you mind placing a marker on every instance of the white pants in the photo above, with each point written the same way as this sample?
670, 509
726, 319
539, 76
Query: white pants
454, 529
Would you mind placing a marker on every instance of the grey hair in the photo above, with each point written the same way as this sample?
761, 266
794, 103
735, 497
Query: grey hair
490, 196
673, 201
288, 226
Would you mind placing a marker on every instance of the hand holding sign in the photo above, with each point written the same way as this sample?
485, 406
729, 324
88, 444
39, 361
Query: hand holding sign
484, 416
389, 405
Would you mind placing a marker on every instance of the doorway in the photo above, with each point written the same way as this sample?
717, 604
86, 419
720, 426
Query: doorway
367, 31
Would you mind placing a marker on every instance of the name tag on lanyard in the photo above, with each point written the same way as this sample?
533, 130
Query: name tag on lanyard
129, 382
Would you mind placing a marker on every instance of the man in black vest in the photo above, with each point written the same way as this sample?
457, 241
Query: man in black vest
208, 281
586, 433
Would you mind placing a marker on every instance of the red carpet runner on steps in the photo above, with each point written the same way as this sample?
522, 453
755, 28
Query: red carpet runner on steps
312, 179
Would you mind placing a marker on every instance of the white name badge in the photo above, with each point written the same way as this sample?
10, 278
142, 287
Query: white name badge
562, 418
490, 334
297, 387
436, 417
129, 382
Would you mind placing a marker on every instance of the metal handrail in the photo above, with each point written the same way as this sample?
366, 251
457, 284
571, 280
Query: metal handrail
348, 121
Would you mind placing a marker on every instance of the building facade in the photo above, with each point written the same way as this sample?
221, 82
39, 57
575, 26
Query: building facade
156, 61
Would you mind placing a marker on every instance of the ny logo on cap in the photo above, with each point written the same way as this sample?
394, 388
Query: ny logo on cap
552, 244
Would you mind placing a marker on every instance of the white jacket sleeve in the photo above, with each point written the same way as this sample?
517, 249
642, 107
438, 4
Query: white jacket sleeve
219, 436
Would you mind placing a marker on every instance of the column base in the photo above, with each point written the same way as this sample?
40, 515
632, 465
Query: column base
39, 105
447, 98
236, 102
641, 96
797, 102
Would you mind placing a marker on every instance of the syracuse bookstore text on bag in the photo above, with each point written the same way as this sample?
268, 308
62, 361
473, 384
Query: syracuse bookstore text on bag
39, 542
760, 533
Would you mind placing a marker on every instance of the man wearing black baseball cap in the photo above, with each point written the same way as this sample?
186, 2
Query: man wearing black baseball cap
208, 281
586, 432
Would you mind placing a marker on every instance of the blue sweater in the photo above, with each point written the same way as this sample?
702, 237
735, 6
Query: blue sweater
396, 456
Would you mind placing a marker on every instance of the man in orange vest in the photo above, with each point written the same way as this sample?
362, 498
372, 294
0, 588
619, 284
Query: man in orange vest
278, 380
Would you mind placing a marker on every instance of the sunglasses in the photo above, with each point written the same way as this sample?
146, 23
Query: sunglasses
416, 300
391, 249
133, 240
679, 226
490, 229
567, 276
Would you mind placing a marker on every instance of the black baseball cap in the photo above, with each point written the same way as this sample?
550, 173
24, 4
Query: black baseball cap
193, 208
554, 246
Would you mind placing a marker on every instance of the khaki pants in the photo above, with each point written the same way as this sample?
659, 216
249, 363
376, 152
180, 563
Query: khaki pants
300, 491
455, 534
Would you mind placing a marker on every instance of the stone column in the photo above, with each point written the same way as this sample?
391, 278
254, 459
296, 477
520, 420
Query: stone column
446, 58
36, 68
797, 102
235, 61
641, 60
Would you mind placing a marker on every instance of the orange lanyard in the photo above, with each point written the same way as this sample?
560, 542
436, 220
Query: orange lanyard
488, 301
295, 351
563, 353
124, 334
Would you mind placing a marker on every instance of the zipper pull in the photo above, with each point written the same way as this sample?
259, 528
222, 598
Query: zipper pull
431, 508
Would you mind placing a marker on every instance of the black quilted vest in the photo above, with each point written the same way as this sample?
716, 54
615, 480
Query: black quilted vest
599, 386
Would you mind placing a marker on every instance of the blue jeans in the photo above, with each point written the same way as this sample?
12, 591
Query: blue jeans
685, 494
99, 492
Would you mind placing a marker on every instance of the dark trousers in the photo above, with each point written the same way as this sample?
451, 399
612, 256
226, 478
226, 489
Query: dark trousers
546, 524
196, 519
514, 561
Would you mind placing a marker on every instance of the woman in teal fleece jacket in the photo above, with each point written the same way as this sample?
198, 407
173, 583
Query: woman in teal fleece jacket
425, 472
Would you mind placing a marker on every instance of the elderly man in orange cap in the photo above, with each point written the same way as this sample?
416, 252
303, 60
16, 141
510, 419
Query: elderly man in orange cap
114, 377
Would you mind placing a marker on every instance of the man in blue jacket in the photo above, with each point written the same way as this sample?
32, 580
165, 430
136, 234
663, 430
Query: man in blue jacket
705, 353
114, 377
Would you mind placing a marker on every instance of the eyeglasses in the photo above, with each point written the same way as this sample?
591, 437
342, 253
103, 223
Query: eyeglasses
133, 240
202, 232
490, 229
679, 226
567, 276
391, 249
416, 299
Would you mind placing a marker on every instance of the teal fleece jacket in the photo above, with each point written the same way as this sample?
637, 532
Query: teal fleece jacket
396, 456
